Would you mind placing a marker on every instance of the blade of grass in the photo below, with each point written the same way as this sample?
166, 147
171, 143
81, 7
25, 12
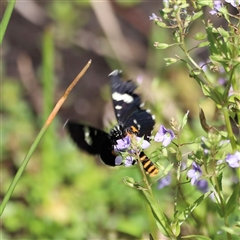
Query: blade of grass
6, 18
39, 137
47, 145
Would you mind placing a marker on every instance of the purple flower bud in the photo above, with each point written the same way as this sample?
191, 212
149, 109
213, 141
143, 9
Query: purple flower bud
164, 135
118, 160
233, 160
127, 162
202, 185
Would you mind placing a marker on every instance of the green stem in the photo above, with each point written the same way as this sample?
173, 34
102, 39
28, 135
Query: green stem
229, 128
222, 204
6, 18
21, 169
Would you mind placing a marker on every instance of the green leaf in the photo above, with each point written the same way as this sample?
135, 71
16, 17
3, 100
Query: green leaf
197, 237
184, 5
197, 15
185, 214
206, 90
223, 32
200, 36
170, 61
203, 3
203, 44
219, 210
233, 200
131, 183
6, 18
218, 58
219, 180
162, 220
224, 11
230, 230
172, 150
162, 45
161, 24
195, 72
168, 168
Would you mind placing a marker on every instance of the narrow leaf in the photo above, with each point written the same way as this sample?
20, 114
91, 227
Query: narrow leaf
161, 45
170, 61
223, 32
200, 36
160, 217
233, 200
203, 44
197, 15
185, 214
196, 237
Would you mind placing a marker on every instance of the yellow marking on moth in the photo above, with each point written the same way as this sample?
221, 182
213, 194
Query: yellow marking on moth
154, 173
147, 164
143, 158
134, 130
151, 168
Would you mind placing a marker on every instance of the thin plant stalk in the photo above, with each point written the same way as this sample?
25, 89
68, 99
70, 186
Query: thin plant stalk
6, 18
39, 137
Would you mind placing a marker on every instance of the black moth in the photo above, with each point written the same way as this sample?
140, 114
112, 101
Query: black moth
132, 120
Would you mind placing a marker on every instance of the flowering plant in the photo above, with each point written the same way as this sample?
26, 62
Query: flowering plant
212, 158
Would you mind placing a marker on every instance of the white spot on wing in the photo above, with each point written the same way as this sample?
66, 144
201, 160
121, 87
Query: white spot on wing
122, 97
118, 107
153, 117
135, 121
115, 73
142, 104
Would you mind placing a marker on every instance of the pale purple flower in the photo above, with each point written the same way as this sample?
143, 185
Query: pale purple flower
165, 181
144, 143
216, 7
129, 161
123, 145
154, 17
195, 173
234, 3
233, 160
164, 135
202, 185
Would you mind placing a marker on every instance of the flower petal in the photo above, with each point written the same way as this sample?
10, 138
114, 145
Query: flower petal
158, 137
118, 160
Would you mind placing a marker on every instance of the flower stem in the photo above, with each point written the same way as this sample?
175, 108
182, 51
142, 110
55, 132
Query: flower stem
229, 128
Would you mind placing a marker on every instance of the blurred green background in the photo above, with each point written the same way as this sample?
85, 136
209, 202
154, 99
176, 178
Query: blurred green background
65, 193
